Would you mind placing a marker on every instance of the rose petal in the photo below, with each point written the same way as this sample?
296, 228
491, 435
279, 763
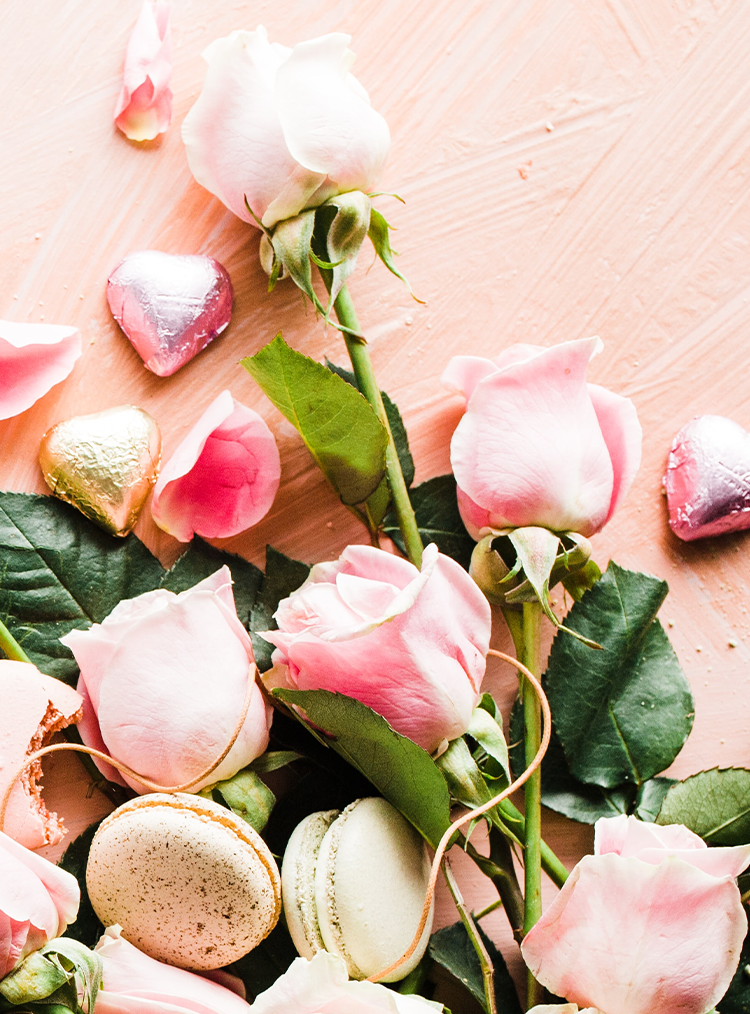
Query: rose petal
235, 144
33, 358
328, 122
632, 938
519, 451
144, 106
474, 517
52, 911
223, 477
137, 984
628, 836
463, 373
618, 421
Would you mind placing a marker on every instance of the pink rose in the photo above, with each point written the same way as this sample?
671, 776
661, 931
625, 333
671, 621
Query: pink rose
652, 922
164, 680
33, 358
321, 986
144, 107
133, 983
538, 446
223, 477
282, 129
409, 645
37, 902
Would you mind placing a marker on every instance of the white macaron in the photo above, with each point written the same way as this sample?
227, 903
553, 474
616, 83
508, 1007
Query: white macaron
354, 883
190, 883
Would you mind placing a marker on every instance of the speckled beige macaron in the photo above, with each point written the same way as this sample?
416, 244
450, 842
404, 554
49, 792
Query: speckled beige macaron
354, 883
189, 882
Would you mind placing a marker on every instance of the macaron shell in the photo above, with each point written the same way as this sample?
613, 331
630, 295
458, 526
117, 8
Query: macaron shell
190, 883
298, 881
370, 886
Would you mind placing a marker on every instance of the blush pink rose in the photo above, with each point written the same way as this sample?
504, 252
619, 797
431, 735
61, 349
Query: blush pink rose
652, 922
282, 129
410, 645
223, 477
163, 681
37, 902
144, 106
33, 358
134, 983
538, 445
321, 986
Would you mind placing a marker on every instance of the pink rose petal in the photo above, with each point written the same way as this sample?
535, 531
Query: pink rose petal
618, 421
144, 107
223, 477
33, 358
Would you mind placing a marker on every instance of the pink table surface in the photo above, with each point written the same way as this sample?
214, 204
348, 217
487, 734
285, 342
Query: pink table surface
569, 167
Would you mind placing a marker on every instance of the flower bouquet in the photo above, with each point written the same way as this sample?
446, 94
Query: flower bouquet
295, 758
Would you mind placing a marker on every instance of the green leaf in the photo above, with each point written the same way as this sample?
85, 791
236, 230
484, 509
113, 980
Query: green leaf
380, 238
737, 997
438, 519
403, 772
246, 795
715, 804
86, 929
266, 961
339, 427
201, 560
274, 760
283, 576
58, 571
452, 949
650, 798
624, 713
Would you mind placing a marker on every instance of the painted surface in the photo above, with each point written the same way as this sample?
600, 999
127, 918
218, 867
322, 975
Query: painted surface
569, 167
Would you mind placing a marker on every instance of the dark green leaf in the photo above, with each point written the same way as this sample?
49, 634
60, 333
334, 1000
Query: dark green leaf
283, 576
400, 438
273, 760
650, 797
247, 795
87, 928
438, 519
737, 997
403, 772
624, 713
339, 427
452, 948
59, 571
266, 962
715, 804
200, 560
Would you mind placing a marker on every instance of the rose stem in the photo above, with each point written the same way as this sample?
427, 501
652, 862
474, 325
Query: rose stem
10, 646
506, 882
532, 719
359, 354
552, 866
488, 972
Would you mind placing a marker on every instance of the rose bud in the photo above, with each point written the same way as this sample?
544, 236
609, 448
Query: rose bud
410, 645
164, 679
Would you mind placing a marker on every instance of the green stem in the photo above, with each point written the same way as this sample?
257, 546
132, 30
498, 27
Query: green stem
10, 646
532, 718
507, 882
359, 355
488, 971
551, 865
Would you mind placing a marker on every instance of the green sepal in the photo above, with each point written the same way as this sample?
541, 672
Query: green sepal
291, 240
380, 239
486, 729
345, 236
246, 795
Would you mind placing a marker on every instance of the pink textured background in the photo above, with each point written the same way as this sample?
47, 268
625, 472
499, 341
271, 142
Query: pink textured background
569, 167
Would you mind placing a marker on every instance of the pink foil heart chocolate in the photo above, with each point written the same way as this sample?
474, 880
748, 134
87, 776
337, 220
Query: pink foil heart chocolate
170, 306
708, 478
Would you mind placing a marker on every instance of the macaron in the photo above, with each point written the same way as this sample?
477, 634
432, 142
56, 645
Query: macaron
190, 883
354, 884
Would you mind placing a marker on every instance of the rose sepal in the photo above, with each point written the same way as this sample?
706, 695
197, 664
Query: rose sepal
53, 976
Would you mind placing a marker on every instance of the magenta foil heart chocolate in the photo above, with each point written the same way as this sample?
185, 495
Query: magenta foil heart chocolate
170, 306
708, 478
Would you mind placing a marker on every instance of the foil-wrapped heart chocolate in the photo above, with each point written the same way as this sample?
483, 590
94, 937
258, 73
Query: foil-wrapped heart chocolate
170, 306
104, 464
708, 478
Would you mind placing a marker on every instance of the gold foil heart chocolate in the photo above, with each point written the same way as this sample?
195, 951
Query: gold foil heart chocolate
104, 464
170, 306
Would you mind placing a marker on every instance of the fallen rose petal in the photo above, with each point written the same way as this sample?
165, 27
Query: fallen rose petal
33, 358
33, 707
144, 107
629, 937
134, 983
223, 477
